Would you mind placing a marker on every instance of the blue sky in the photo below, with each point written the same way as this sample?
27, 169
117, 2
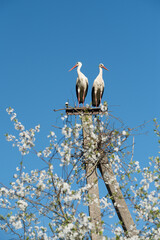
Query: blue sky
41, 40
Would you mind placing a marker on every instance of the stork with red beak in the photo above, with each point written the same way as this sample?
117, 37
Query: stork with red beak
81, 84
98, 87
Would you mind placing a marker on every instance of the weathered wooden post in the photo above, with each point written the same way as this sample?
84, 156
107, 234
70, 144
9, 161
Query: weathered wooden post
111, 183
117, 197
92, 180
91, 171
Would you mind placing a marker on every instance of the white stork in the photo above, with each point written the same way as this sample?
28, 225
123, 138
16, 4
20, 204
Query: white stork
81, 84
98, 87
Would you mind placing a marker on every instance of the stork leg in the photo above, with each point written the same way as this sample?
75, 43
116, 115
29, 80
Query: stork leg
78, 98
96, 100
83, 97
100, 97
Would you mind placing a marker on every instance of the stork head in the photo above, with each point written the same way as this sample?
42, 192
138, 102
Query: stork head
78, 64
102, 66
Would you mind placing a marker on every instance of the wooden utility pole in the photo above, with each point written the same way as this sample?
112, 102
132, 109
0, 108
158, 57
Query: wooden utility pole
92, 180
108, 177
116, 196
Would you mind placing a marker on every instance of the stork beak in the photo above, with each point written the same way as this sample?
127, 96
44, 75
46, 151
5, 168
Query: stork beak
73, 67
105, 68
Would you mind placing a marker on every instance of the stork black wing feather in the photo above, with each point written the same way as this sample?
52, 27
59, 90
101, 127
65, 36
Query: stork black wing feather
77, 91
102, 93
86, 90
93, 97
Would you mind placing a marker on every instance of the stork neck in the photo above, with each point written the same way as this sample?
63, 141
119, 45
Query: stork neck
78, 69
100, 71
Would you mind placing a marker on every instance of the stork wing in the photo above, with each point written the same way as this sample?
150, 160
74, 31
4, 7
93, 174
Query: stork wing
93, 97
86, 89
77, 90
102, 92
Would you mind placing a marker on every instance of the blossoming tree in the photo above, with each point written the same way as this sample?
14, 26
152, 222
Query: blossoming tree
52, 202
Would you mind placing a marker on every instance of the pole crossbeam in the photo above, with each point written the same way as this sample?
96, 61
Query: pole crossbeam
83, 110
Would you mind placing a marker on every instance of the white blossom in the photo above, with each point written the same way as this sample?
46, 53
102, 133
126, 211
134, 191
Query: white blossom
42, 203
22, 205
124, 133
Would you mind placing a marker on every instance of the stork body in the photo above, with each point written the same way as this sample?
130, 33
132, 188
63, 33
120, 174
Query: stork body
81, 84
98, 87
